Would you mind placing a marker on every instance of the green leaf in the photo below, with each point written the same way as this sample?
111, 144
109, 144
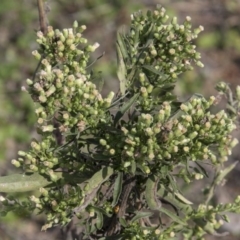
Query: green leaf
222, 174
98, 80
218, 179
99, 222
133, 167
208, 227
122, 55
173, 216
202, 170
125, 108
140, 214
99, 177
162, 92
182, 198
155, 71
23, 182
117, 188
121, 44
99, 156
175, 191
101, 210
150, 193
123, 222
168, 196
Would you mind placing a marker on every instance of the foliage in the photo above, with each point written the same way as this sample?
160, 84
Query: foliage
114, 169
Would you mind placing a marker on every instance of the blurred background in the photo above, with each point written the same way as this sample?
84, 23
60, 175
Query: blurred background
219, 45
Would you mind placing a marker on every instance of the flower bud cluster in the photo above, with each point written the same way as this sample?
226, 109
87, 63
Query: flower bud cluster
58, 203
209, 218
171, 48
162, 51
233, 100
13, 204
39, 158
61, 47
63, 88
192, 133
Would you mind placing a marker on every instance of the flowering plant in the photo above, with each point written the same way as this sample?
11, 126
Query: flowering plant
114, 170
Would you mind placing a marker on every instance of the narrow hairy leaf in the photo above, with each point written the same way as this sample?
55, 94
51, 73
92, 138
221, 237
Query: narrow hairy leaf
101, 210
99, 222
168, 196
182, 198
98, 80
150, 193
202, 169
121, 72
218, 179
125, 108
222, 174
176, 192
99, 177
117, 188
153, 70
122, 55
123, 222
23, 182
122, 45
141, 214
173, 216
133, 167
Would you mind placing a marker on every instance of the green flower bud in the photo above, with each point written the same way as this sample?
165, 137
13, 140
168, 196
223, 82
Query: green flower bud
48, 164
16, 163
172, 51
129, 153
29, 82
34, 199
48, 128
142, 78
161, 116
167, 155
75, 24
112, 151
234, 142
198, 176
42, 98
22, 153
149, 131
37, 55
192, 135
50, 91
149, 88
35, 146
184, 107
55, 160
144, 92
198, 30
34, 168
222, 87
151, 156
207, 125
93, 47
186, 149
186, 179
238, 93
53, 176
146, 169
126, 164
